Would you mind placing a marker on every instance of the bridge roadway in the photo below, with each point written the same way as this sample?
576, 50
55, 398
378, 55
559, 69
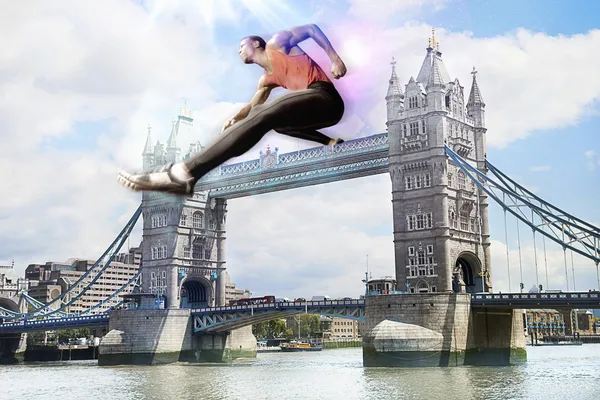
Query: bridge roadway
218, 319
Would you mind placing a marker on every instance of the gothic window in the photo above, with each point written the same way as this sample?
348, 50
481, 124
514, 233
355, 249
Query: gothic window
464, 223
410, 222
408, 182
431, 269
197, 250
420, 224
427, 180
414, 128
433, 289
207, 254
423, 127
159, 220
423, 287
404, 134
449, 179
429, 249
419, 221
462, 182
164, 274
421, 259
418, 182
183, 220
413, 102
411, 251
197, 221
186, 252
453, 222
211, 223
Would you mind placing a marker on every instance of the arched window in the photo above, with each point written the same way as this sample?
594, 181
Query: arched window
462, 183
197, 220
423, 287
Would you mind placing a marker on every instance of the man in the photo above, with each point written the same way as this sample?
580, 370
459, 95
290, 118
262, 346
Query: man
312, 103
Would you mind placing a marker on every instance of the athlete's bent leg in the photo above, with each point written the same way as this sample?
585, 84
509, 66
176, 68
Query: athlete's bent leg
314, 108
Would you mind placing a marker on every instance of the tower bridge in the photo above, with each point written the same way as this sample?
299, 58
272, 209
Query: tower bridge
435, 153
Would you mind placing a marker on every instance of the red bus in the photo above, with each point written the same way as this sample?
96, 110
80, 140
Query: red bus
252, 300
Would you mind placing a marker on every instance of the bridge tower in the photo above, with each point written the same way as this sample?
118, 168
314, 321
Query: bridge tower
441, 234
183, 240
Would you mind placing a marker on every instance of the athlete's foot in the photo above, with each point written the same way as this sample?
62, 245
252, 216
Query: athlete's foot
167, 178
333, 142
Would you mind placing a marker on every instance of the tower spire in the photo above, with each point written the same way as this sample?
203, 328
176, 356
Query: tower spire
394, 85
148, 146
475, 97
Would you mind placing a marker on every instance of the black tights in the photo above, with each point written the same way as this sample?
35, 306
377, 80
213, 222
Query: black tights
298, 114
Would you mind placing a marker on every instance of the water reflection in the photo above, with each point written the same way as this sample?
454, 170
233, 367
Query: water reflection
550, 373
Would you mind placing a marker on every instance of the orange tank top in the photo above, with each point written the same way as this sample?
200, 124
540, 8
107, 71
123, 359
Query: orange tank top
293, 72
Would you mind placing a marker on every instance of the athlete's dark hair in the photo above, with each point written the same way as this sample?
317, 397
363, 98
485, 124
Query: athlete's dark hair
261, 42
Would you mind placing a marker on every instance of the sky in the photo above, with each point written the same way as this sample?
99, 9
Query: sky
81, 83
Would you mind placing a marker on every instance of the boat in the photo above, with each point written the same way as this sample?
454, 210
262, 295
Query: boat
300, 346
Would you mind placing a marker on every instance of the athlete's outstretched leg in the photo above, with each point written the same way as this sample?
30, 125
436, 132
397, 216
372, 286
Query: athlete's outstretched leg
314, 108
312, 135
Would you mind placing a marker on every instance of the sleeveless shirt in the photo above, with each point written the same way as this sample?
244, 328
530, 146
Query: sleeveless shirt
293, 72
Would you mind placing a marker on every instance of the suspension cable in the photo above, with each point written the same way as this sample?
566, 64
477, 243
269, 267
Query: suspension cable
545, 261
520, 260
565, 254
537, 279
573, 269
507, 253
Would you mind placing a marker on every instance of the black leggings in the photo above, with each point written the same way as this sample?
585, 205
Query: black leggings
298, 114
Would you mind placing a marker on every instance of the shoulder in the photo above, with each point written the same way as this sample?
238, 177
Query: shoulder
280, 41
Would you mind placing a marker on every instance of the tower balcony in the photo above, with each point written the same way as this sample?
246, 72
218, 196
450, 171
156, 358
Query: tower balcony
461, 145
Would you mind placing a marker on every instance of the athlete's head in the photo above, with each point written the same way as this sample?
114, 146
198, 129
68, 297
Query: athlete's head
249, 46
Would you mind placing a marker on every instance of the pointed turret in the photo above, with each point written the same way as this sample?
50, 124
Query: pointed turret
172, 141
148, 146
394, 98
475, 105
148, 154
436, 78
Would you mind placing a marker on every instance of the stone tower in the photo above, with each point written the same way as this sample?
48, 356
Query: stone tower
441, 235
183, 239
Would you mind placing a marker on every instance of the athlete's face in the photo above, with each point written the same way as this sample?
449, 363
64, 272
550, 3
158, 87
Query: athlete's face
246, 51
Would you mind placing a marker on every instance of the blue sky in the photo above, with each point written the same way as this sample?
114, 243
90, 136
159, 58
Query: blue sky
109, 77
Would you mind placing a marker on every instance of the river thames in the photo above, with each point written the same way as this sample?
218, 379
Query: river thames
551, 373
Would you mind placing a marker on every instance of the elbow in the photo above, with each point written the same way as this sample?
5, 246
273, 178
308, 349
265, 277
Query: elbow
313, 29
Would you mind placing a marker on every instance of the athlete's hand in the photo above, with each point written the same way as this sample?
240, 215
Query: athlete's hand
228, 123
338, 69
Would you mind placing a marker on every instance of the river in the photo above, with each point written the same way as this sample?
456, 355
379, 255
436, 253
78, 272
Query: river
551, 373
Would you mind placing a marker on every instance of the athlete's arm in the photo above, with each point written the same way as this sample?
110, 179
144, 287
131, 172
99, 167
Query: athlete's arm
292, 37
262, 94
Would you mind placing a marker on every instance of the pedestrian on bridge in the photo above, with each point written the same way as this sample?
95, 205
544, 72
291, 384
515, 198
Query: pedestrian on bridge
312, 103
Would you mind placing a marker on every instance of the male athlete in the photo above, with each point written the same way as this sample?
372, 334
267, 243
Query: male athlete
312, 103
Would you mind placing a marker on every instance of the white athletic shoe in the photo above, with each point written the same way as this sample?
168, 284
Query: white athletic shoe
157, 180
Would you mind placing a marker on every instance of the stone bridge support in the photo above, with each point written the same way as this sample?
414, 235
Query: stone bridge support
165, 336
417, 330
13, 345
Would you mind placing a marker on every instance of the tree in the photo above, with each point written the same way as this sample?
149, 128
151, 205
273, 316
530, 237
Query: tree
269, 329
309, 324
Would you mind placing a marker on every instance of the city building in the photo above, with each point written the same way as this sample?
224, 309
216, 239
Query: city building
544, 322
48, 281
232, 292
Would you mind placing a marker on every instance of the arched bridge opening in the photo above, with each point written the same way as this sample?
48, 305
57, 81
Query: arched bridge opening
195, 293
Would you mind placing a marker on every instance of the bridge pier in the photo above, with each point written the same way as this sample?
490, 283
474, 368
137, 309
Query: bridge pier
12, 347
439, 329
165, 336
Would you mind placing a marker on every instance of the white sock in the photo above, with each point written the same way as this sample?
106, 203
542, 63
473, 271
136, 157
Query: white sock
181, 172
